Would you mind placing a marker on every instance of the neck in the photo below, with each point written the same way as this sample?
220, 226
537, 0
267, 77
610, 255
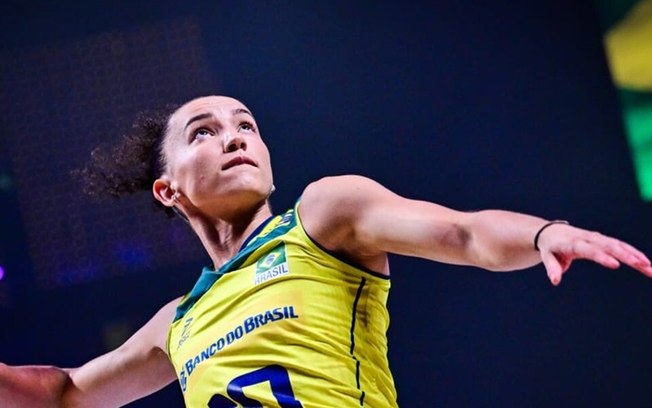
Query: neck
222, 239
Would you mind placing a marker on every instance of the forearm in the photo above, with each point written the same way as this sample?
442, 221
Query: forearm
502, 240
32, 386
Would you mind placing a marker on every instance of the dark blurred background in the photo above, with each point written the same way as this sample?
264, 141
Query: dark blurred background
468, 104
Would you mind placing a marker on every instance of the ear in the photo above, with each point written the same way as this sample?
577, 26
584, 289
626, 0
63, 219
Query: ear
163, 192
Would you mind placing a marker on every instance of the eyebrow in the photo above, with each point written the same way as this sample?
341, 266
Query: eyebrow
241, 110
196, 118
201, 116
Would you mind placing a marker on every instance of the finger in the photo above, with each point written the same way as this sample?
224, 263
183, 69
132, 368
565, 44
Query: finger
553, 267
644, 269
627, 254
595, 253
647, 271
622, 250
640, 256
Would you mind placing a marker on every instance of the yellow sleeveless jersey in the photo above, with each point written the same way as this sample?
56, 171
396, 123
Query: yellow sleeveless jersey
284, 324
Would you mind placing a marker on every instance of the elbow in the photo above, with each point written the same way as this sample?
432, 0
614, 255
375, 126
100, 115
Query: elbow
70, 396
485, 260
62, 385
495, 266
484, 257
470, 249
494, 261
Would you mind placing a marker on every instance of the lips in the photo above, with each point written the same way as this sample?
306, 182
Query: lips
237, 161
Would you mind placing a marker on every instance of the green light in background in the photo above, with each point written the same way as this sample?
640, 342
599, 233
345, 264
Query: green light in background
628, 42
637, 111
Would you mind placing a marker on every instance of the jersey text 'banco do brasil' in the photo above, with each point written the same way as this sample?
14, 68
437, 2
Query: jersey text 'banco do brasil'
284, 324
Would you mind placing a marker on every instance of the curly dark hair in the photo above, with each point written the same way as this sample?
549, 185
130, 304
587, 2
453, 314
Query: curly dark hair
134, 163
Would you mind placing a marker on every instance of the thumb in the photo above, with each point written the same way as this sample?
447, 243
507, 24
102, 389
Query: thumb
553, 267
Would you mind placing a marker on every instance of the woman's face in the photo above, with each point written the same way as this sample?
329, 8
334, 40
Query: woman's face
216, 157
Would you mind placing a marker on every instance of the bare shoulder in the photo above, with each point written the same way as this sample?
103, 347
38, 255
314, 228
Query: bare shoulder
335, 191
331, 200
343, 181
331, 208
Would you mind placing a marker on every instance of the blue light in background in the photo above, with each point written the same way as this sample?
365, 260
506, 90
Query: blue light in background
2, 272
133, 254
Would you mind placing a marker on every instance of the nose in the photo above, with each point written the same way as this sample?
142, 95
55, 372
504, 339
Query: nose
233, 142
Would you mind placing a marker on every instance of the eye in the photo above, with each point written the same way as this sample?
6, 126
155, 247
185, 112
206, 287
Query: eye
247, 127
201, 133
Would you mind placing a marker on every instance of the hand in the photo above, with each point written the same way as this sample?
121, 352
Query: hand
561, 244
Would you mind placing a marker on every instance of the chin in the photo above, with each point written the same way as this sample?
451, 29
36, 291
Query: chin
249, 195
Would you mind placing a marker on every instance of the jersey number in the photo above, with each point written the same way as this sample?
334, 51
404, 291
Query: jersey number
279, 381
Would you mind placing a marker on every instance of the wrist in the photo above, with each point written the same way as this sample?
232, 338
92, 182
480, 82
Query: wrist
546, 225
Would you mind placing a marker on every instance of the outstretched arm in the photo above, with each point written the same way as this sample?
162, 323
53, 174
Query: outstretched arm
137, 368
358, 216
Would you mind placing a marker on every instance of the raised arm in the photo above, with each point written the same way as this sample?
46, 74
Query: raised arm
361, 218
137, 368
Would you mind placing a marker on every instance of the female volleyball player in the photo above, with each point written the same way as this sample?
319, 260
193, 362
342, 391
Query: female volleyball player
292, 310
